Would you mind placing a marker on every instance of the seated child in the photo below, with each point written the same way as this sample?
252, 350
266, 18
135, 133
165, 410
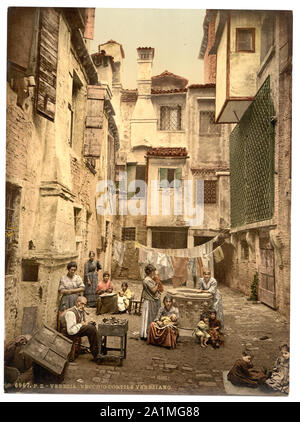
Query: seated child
216, 337
243, 374
201, 331
124, 295
278, 380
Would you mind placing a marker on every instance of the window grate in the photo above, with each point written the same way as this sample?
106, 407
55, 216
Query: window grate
170, 118
128, 233
252, 162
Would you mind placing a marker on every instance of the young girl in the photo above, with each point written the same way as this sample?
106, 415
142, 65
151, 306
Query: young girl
216, 337
201, 331
243, 374
279, 377
124, 295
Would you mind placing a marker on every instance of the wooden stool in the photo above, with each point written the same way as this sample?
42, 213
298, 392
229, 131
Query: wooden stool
112, 330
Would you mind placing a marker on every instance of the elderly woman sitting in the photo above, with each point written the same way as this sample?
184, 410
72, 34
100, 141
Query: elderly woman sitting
163, 330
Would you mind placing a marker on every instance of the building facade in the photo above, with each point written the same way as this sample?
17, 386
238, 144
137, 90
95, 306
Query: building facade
60, 133
167, 139
253, 56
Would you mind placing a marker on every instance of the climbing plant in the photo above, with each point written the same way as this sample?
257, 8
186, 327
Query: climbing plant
254, 288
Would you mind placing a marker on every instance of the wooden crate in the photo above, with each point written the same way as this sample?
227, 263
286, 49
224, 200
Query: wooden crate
49, 349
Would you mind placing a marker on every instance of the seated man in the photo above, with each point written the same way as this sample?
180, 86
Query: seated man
75, 324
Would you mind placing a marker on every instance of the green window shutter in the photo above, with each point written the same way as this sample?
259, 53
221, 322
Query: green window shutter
178, 173
163, 177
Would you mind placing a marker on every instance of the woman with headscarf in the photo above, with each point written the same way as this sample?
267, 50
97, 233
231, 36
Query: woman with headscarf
151, 296
210, 284
163, 330
91, 268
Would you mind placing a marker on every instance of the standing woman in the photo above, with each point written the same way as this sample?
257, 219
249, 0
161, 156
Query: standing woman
151, 296
70, 287
209, 284
91, 268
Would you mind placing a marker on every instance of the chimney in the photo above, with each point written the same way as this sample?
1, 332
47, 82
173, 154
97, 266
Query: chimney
144, 120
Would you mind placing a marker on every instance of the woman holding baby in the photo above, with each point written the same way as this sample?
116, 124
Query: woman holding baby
163, 330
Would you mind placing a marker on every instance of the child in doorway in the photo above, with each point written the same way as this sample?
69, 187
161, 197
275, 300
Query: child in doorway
243, 374
201, 331
124, 296
278, 380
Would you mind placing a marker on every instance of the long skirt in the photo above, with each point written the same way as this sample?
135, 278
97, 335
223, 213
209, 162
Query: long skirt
150, 309
165, 337
90, 290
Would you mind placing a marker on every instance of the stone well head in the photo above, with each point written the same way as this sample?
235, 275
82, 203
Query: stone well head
191, 305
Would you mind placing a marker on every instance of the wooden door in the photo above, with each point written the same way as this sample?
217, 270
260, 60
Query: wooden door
266, 286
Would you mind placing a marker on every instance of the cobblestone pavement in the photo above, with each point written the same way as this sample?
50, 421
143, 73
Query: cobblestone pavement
189, 369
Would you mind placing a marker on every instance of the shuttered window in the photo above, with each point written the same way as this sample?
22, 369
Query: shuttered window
47, 68
245, 40
94, 122
168, 175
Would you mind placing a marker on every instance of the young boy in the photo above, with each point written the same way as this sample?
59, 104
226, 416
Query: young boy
243, 374
201, 331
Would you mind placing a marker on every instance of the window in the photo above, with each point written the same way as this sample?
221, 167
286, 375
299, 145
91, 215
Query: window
30, 270
77, 217
245, 40
170, 118
244, 250
74, 120
210, 191
207, 125
128, 233
140, 174
134, 173
168, 175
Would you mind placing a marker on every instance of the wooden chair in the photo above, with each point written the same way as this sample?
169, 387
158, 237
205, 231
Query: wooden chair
135, 306
76, 346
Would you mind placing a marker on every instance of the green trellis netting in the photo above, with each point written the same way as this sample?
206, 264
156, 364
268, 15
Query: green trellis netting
252, 162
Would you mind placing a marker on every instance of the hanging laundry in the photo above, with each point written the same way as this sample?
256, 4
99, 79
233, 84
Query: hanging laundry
218, 254
118, 252
180, 271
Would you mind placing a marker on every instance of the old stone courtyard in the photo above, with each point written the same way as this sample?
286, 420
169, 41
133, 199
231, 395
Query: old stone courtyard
187, 370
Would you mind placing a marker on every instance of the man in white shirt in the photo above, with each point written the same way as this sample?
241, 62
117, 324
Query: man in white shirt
75, 324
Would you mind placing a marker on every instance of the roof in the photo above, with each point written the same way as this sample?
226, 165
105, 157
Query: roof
113, 42
129, 95
167, 152
168, 75
168, 91
194, 86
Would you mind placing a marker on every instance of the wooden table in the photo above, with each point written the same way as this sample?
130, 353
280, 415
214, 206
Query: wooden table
109, 329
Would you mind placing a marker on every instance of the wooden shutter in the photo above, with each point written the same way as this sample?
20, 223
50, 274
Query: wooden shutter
47, 69
94, 122
163, 176
178, 173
